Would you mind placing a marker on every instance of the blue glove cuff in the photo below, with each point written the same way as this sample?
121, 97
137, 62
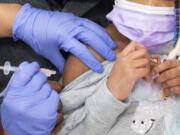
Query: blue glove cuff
21, 18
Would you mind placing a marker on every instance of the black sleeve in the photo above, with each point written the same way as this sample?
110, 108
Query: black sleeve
94, 10
98, 13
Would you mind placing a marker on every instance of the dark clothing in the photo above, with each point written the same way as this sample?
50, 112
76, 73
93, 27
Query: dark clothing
91, 9
17, 52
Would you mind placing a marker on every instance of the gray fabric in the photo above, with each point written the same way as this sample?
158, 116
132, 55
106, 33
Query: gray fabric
90, 109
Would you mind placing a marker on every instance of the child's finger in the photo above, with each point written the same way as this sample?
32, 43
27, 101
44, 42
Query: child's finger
141, 63
165, 66
139, 46
142, 72
168, 75
130, 48
175, 90
172, 83
148, 77
141, 53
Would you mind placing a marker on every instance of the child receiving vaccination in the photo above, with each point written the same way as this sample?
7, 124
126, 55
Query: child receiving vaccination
119, 101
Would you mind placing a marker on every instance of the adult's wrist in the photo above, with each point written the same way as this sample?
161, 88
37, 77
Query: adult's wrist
8, 14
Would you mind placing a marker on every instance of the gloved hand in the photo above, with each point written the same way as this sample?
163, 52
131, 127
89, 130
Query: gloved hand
47, 32
30, 105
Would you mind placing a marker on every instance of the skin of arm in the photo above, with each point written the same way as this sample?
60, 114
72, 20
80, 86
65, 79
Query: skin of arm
6, 31
132, 64
95, 107
71, 73
159, 3
7, 15
6, 28
142, 57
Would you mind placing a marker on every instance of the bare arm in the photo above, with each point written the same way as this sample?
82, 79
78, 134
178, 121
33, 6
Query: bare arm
71, 72
7, 15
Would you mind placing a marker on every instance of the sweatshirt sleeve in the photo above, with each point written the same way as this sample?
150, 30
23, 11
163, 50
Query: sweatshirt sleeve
96, 116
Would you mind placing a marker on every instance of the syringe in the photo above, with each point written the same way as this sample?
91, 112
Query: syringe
7, 68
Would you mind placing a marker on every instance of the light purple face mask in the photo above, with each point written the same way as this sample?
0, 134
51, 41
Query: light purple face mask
148, 28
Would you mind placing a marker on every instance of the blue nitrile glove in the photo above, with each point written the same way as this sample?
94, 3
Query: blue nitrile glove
30, 105
47, 32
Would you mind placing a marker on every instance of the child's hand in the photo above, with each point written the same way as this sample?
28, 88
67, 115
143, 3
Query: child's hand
169, 75
131, 65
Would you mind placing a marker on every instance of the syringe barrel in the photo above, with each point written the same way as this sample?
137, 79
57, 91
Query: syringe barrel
14, 69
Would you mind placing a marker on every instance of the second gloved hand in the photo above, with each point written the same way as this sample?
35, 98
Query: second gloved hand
30, 105
47, 32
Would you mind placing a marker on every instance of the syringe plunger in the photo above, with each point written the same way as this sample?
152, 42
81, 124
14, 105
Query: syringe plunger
7, 68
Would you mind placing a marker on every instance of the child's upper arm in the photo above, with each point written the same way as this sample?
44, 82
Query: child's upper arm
74, 67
